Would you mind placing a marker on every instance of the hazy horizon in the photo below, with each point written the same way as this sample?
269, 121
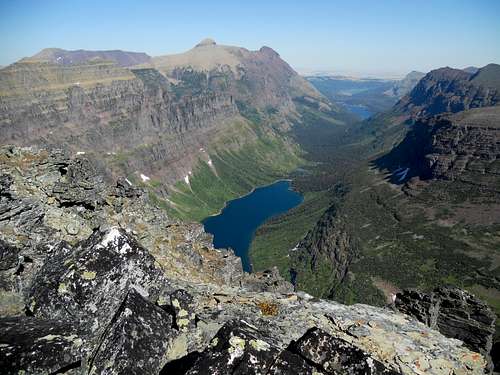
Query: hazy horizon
362, 38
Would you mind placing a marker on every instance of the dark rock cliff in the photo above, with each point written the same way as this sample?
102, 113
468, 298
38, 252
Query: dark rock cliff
99, 108
329, 241
455, 313
463, 147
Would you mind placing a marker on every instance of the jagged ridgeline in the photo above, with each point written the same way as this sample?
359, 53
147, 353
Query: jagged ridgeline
96, 279
195, 129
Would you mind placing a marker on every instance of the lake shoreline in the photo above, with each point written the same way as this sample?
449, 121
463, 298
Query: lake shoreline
244, 195
235, 226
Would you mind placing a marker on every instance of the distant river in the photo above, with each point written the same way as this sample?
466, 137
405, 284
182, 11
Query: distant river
235, 226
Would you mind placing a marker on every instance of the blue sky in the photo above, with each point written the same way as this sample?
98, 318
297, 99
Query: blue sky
363, 37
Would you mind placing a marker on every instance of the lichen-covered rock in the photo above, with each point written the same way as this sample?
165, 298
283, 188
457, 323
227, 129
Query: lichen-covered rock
88, 283
125, 189
48, 197
82, 185
269, 280
136, 340
238, 348
39, 346
333, 355
10, 295
398, 341
9, 256
419, 305
288, 363
183, 308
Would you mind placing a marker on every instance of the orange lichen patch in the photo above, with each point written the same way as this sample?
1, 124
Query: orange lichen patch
268, 308
25, 161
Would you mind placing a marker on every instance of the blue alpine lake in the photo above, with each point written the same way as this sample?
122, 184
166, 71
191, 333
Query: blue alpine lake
359, 110
235, 226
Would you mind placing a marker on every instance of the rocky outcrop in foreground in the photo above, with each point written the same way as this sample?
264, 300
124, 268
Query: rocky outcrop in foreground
453, 312
96, 280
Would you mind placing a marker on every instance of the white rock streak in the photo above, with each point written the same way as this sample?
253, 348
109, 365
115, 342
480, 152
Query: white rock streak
401, 173
112, 237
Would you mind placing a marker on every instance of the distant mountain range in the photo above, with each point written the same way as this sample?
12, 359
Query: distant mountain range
452, 90
377, 95
401, 88
64, 57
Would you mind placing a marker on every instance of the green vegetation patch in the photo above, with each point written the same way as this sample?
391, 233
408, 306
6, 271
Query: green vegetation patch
233, 173
274, 239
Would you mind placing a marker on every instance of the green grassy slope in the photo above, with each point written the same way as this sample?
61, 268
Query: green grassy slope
234, 173
248, 154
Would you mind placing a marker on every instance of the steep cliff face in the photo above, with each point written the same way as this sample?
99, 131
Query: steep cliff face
95, 279
325, 254
404, 86
452, 90
100, 108
462, 147
455, 313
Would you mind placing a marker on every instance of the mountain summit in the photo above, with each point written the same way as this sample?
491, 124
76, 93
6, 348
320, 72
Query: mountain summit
206, 42
261, 76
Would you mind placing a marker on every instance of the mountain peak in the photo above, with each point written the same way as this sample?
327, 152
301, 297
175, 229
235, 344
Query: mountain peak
447, 73
488, 76
269, 51
206, 42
